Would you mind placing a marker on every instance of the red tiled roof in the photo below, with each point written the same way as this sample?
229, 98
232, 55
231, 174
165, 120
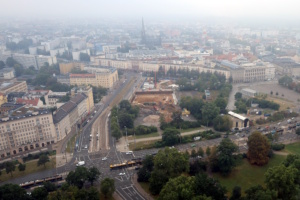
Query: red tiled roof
33, 102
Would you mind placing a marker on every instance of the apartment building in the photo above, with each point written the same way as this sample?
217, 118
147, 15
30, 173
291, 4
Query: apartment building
69, 114
7, 73
24, 129
16, 86
67, 67
54, 97
37, 61
154, 66
88, 91
104, 77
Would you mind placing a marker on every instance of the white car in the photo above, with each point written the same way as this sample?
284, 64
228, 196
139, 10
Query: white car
85, 146
121, 174
129, 152
104, 158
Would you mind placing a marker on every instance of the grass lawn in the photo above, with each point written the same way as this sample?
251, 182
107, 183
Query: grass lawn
284, 103
142, 145
31, 167
246, 175
292, 148
144, 136
71, 144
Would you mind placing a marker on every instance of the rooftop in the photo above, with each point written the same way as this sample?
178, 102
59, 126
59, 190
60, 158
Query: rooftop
22, 112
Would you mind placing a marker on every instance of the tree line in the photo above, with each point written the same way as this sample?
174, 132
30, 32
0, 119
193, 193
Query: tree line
71, 189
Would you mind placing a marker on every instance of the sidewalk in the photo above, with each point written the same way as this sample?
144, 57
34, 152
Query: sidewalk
139, 188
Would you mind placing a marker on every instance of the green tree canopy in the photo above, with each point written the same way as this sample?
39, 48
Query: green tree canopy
39, 193
178, 188
283, 180
77, 177
209, 112
222, 123
226, 160
12, 191
170, 136
43, 160
93, 174
168, 163
22, 167
10, 167
107, 187
259, 193
210, 187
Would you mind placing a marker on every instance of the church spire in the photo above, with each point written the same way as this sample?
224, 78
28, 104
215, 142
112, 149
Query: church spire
143, 33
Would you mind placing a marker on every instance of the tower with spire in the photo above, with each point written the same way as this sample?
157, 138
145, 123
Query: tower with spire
143, 33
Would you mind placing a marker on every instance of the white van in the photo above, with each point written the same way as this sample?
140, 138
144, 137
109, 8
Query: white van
80, 163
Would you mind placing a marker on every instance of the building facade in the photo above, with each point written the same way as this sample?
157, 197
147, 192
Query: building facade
17, 86
66, 68
25, 129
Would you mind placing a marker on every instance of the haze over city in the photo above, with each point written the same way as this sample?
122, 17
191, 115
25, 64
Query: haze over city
235, 10
140, 99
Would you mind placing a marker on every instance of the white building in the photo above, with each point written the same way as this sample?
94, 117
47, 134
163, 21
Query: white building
76, 54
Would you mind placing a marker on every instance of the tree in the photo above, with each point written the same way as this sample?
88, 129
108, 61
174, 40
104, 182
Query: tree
21, 167
178, 188
2, 64
107, 187
170, 136
144, 173
39, 193
226, 160
93, 174
276, 93
43, 160
125, 105
19, 70
222, 123
208, 151
200, 152
125, 119
258, 149
236, 193
271, 92
193, 153
298, 131
84, 57
10, 62
238, 96
77, 177
10, 167
176, 116
259, 193
282, 179
168, 163
50, 187
12, 191
210, 187
221, 103
209, 112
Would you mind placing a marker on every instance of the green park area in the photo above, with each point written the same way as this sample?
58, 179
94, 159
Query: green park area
292, 148
31, 167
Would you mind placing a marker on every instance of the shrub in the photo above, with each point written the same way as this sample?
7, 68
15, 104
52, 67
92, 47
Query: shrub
277, 147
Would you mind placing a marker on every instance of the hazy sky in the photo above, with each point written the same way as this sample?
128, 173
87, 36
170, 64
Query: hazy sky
287, 9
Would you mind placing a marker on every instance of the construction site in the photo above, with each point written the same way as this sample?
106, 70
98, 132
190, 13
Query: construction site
153, 104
